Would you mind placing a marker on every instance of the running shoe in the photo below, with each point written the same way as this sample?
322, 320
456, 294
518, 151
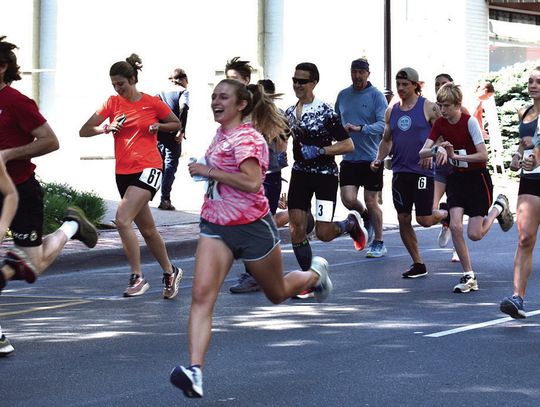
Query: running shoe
21, 264
416, 270
455, 257
304, 295
245, 284
171, 282
188, 380
166, 205
324, 286
376, 250
137, 286
505, 218
86, 233
5, 346
358, 232
513, 306
444, 236
466, 284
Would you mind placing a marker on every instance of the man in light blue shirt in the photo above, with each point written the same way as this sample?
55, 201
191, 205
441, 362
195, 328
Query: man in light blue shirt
361, 107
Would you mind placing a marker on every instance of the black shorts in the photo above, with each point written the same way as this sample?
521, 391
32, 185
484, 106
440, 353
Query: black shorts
149, 179
272, 189
303, 185
249, 242
529, 186
360, 174
410, 189
471, 190
27, 225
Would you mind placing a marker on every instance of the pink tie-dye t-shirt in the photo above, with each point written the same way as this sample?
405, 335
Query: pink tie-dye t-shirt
224, 204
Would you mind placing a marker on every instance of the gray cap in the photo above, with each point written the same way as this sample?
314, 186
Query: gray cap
409, 74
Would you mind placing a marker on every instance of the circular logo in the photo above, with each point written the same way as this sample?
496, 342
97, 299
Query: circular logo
33, 236
404, 123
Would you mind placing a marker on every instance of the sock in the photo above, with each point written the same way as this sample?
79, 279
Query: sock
469, 273
303, 254
498, 206
344, 225
365, 216
69, 227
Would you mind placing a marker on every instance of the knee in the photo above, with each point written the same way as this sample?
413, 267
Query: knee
526, 240
122, 222
323, 232
474, 235
348, 202
274, 298
148, 233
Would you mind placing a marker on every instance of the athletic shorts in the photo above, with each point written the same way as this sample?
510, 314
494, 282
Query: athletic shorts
249, 242
272, 189
410, 189
442, 172
303, 185
149, 179
27, 225
471, 190
529, 186
360, 174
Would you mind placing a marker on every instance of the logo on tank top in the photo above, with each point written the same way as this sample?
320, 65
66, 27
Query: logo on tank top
404, 123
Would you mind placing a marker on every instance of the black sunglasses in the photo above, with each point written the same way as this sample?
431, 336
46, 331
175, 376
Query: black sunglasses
299, 81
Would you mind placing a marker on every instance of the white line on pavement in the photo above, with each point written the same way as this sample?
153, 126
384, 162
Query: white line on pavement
477, 326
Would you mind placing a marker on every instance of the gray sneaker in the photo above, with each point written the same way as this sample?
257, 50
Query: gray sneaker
324, 286
245, 284
466, 283
87, 233
505, 218
5, 347
376, 250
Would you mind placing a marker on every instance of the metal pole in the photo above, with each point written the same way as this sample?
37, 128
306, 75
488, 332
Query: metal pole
387, 52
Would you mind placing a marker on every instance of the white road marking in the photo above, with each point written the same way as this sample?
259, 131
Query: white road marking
477, 326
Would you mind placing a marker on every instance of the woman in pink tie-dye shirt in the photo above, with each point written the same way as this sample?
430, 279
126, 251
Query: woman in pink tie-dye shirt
236, 222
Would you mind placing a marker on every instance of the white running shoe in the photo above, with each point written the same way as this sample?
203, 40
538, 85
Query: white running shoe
324, 286
466, 284
455, 257
444, 236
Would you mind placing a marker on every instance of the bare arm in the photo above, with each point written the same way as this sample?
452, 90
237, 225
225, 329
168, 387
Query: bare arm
248, 179
45, 141
92, 127
340, 147
169, 125
10, 202
385, 146
431, 112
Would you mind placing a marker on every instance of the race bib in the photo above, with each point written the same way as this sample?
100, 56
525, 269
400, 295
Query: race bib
151, 177
456, 162
422, 183
324, 211
212, 190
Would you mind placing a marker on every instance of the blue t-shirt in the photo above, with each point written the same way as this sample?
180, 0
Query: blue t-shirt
365, 107
410, 130
319, 126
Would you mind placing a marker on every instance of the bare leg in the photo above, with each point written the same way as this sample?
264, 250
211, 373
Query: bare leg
213, 260
456, 226
131, 204
375, 213
408, 236
154, 242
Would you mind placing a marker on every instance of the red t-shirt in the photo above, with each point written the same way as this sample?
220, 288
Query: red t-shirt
464, 135
19, 116
135, 148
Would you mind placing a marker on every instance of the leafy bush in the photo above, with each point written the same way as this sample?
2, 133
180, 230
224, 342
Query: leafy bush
57, 197
511, 94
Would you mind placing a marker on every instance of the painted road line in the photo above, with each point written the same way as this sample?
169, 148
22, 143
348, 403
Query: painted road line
477, 326
36, 309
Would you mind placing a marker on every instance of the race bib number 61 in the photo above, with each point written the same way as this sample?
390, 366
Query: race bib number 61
151, 177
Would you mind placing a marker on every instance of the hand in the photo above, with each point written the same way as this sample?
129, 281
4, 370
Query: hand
530, 163
515, 164
375, 165
426, 163
440, 155
153, 128
310, 152
283, 203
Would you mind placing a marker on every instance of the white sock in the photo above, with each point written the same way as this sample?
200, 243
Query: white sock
469, 273
499, 207
69, 228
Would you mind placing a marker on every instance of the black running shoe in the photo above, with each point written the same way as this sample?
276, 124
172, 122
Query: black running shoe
415, 271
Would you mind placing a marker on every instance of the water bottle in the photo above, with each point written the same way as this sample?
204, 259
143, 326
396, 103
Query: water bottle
201, 160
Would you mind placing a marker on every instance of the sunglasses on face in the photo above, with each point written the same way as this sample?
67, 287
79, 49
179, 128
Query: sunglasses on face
299, 81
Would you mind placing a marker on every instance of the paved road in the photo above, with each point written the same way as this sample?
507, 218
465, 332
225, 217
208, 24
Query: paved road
379, 341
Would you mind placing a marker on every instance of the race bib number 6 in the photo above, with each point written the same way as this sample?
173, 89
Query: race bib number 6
151, 177
422, 182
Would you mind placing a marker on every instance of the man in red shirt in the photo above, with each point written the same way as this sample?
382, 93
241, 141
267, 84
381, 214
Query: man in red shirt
24, 134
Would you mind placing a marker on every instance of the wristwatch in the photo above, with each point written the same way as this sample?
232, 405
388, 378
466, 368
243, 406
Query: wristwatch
361, 128
322, 151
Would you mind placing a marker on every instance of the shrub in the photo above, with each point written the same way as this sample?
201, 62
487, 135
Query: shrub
511, 94
57, 197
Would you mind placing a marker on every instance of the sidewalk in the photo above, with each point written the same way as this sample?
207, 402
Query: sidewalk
180, 230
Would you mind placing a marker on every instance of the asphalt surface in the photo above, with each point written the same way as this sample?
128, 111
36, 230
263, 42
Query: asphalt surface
379, 340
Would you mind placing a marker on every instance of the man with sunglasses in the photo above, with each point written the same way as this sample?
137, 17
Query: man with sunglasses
407, 126
318, 136
361, 108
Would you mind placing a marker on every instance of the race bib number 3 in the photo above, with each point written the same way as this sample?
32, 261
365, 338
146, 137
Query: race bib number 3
152, 177
324, 211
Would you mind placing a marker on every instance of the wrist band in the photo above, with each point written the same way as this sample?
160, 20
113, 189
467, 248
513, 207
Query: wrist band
106, 129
